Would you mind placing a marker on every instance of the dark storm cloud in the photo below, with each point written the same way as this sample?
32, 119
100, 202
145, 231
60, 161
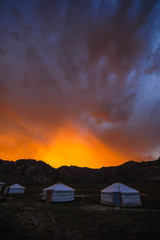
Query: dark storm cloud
2, 52
121, 36
17, 15
65, 60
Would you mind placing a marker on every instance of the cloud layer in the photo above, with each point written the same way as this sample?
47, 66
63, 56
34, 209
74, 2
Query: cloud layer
92, 65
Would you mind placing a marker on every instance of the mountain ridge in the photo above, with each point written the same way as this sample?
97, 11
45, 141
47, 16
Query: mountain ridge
37, 172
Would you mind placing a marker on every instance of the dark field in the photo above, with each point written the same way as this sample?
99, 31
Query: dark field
27, 217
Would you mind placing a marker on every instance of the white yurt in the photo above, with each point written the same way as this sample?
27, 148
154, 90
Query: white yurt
1, 185
120, 195
14, 189
59, 192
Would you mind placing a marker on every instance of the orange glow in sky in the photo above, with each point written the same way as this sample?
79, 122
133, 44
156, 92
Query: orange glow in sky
65, 147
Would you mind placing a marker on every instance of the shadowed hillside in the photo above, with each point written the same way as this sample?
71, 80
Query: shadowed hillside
32, 172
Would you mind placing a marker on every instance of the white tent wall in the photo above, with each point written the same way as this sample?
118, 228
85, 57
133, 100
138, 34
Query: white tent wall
65, 196
128, 197
130, 200
127, 200
107, 198
14, 190
59, 196
58, 193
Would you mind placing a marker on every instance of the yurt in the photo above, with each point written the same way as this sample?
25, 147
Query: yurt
1, 185
59, 192
120, 195
15, 189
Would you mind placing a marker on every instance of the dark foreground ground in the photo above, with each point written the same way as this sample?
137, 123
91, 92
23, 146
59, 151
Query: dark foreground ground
26, 217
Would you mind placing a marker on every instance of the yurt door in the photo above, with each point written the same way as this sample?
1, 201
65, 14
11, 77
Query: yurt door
49, 195
116, 199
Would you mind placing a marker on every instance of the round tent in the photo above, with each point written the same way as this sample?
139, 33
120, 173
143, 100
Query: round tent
59, 192
15, 189
120, 195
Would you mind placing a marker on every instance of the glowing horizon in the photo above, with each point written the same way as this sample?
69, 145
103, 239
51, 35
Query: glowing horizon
67, 147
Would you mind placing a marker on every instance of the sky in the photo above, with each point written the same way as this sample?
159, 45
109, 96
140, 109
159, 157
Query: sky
80, 81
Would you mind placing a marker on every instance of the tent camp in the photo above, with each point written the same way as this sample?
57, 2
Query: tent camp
58, 193
120, 195
1, 185
15, 189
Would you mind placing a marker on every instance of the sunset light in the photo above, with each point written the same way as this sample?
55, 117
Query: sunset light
76, 150
66, 146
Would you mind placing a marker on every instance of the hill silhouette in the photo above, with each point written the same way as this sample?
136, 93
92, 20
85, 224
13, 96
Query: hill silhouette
32, 172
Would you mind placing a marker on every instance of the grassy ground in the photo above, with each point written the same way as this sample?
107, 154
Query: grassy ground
26, 217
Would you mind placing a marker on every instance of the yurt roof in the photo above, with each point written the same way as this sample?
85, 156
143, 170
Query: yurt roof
59, 187
16, 186
119, 187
